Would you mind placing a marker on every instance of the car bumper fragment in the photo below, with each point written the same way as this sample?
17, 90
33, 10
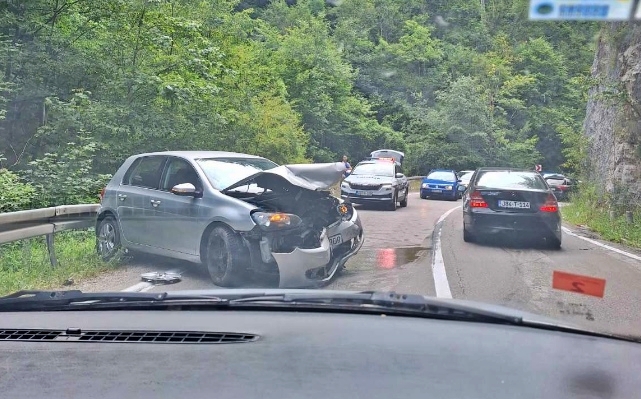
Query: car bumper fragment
295, 267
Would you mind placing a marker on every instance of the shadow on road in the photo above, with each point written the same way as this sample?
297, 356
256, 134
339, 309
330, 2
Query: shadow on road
513, 242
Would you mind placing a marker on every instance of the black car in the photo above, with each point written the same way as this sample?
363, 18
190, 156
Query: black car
511, 200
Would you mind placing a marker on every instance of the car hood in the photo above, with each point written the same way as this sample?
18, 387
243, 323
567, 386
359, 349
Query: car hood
315, 176
369, 179
437, 181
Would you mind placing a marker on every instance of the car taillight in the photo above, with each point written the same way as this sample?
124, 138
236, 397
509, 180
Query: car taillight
102, 193
477, 201
550, 204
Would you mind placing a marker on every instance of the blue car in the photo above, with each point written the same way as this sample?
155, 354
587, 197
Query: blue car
442, 183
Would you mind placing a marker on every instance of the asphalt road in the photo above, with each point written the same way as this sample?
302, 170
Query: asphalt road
420, 249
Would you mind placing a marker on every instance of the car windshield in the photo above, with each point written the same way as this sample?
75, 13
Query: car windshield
376, 169
223, 172
444, 176
510, 180
124, 123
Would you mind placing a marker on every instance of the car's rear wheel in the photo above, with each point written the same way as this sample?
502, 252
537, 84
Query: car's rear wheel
404, 202
226, 257
467, 235
553, 242
392, 205
108, 238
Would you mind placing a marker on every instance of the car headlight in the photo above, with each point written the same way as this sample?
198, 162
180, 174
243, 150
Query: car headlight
386, 186
345, 185
275, 220
448, 187
346, 210
424, 185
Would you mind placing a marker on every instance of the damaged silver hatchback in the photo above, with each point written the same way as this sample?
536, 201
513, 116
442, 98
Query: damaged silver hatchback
244, 217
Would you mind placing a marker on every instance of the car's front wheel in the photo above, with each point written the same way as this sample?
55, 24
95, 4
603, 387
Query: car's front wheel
107, 238
392, 205
404, 202
226, 257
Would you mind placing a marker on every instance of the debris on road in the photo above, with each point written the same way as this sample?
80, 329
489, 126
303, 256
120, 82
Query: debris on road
161, 278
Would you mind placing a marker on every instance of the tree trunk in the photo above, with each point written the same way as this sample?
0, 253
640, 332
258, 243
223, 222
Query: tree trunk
613, 117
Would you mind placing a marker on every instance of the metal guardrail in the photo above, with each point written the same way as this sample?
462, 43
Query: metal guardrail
46, 222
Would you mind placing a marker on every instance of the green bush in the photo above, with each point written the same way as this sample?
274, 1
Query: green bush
14, 194
591, 207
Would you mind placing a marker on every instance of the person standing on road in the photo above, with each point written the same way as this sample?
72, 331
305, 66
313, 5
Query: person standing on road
348, 167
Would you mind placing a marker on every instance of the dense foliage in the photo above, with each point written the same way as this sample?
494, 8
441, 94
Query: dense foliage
456, 83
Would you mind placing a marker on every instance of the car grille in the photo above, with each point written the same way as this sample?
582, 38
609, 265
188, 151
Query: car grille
438, 186
366, 186
172, 337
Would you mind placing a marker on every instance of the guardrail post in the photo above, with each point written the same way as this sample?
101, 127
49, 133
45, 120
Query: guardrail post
51, 250
629, 216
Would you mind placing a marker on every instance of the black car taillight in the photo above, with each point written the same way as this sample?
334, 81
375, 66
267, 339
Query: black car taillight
550, 205
477, 201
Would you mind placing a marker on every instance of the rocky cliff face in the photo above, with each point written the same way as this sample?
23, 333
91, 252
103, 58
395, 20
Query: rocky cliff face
613, 119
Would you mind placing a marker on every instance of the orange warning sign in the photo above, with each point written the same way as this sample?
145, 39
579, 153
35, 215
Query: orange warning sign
579, 284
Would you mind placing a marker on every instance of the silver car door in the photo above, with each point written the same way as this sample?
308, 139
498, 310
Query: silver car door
133, 196
178, 219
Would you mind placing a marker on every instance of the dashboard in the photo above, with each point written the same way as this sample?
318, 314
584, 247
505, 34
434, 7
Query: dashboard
281, 354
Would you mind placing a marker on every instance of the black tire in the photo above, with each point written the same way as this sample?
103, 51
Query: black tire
423, 196
404, 202
467, 236
392, 205
553, 242
108, 238
226, 257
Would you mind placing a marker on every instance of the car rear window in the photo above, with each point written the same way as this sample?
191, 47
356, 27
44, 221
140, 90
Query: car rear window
510, 180
447, 176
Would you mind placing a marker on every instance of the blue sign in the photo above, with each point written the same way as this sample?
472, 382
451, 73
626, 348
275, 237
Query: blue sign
581, 10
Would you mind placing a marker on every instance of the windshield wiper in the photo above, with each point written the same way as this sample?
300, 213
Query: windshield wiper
45, 300
389, 302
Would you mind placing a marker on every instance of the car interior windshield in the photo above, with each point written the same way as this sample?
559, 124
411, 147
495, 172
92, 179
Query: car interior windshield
445, 176
377, 169
510, 180
223, 172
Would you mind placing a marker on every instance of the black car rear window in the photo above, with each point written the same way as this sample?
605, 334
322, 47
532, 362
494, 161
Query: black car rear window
510, 180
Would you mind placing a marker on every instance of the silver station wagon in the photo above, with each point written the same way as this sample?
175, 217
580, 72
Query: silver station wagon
244, 217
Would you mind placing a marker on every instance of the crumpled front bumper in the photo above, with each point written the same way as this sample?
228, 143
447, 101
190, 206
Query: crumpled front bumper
295, 268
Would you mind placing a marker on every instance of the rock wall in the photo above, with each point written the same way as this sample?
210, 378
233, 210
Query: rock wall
613, 119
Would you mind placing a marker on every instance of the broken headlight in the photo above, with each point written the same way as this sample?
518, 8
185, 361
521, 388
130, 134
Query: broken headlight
275, 220
346, 211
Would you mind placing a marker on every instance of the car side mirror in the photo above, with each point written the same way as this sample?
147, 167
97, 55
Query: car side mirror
185, 190
400, 175
459, 181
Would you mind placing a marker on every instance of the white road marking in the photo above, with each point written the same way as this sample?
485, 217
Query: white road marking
144, 286
441, 284
591, 241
